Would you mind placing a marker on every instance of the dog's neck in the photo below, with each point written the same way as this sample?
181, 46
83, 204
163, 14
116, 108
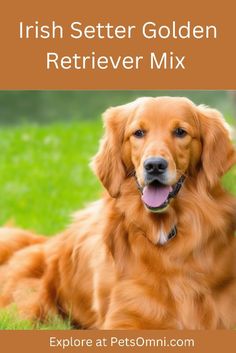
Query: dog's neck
190, 207
159, 228
135, 229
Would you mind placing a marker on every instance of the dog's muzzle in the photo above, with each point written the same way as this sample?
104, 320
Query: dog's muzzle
157, 196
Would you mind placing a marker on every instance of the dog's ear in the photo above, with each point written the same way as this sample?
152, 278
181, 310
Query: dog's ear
218, 154
107, 163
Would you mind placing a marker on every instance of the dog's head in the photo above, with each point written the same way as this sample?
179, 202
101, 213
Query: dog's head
161, 140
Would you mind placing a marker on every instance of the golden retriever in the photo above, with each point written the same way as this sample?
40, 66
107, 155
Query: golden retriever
158, 250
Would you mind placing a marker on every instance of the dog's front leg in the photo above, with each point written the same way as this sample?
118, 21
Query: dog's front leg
133, 306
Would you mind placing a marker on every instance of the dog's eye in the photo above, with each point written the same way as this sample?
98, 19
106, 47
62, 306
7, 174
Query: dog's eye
139, 133
179, 132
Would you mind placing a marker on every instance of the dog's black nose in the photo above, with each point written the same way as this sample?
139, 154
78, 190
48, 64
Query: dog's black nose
155, 166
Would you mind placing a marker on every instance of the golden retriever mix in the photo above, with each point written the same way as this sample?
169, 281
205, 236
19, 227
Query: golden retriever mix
158, 250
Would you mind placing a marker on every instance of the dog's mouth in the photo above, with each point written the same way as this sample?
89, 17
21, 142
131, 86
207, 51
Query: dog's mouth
156, 196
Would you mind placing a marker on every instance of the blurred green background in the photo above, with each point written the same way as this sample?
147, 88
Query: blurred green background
53, 106
47, 139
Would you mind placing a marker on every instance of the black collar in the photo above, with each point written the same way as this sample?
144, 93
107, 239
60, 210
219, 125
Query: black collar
165, 238
177, 187
172, 233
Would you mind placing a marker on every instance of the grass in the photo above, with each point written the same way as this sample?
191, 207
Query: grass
44, 173
9, 320
44, 178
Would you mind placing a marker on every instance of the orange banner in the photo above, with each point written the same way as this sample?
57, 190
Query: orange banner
118, 341
117, 45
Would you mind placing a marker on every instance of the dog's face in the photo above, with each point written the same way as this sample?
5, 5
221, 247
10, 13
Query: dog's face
164, 144
161, 140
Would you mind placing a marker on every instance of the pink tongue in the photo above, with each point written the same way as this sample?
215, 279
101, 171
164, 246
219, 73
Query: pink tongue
155, 196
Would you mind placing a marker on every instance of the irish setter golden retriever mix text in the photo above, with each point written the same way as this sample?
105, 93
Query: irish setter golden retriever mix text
158, 250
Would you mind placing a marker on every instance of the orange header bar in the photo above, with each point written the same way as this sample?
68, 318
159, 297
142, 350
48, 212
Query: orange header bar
118, 45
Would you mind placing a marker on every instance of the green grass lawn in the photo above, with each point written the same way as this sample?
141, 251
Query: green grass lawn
44, 178
44, 173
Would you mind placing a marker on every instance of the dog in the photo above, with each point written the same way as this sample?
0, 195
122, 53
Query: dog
158, 250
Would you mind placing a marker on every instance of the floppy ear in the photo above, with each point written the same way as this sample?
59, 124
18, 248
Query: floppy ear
218, 154
107, 163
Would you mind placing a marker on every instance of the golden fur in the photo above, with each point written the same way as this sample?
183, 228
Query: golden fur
108, 270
